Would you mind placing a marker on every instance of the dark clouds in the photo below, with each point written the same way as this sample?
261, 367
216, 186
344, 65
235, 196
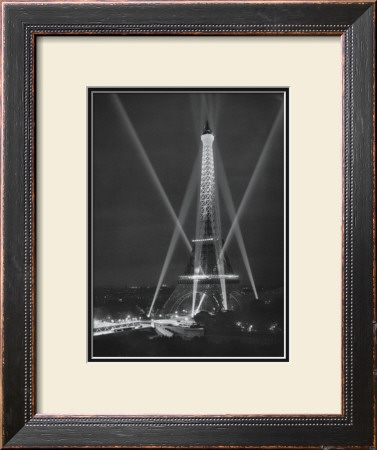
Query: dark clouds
132, 227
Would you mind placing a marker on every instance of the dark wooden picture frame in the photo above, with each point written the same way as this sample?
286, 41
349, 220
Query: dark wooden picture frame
23, 22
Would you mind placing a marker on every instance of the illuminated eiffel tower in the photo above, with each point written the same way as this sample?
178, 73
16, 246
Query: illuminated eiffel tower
208, 281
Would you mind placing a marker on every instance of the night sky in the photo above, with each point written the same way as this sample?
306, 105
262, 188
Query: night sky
132, 227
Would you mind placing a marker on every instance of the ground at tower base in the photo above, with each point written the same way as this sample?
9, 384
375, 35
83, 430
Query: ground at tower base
122, 328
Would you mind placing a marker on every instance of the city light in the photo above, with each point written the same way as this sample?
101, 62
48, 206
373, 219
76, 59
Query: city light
209, 277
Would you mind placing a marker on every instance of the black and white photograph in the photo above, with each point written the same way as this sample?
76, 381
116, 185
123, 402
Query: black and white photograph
188, 224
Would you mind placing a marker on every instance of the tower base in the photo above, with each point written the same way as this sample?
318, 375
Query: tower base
208, 298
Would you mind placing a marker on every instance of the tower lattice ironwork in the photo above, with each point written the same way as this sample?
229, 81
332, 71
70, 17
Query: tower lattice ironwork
208, 281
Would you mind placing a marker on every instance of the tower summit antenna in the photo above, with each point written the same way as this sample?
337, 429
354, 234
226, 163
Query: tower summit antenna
207, 129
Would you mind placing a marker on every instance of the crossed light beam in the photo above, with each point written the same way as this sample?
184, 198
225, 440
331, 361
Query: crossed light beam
136, 140
229, 204
187, 199
254, 176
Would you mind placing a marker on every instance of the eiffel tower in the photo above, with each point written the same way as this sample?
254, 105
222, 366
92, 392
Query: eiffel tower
208, 283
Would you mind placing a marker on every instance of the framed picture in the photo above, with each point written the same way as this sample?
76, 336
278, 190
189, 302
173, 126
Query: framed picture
208, 314
188, 224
